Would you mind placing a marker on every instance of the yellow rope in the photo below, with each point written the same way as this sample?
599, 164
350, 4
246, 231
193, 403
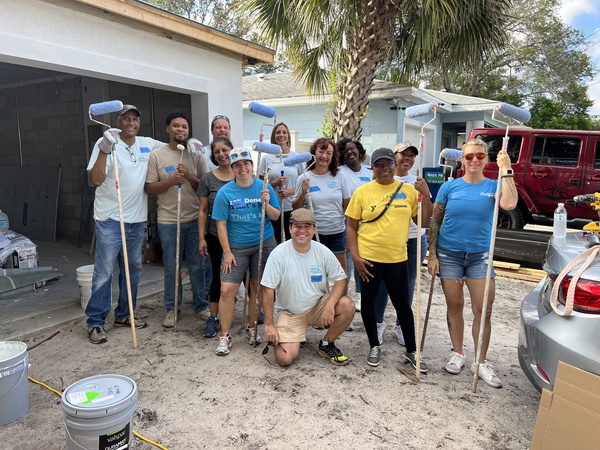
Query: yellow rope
135, 433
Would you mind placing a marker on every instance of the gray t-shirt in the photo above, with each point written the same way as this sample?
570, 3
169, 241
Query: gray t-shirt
208, 187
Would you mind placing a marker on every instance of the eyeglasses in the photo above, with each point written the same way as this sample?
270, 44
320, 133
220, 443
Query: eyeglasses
236, 155
131, 154
380, 164
220, 117
266, 350
478, 155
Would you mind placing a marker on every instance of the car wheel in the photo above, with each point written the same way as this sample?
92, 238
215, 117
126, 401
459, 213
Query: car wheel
511, 219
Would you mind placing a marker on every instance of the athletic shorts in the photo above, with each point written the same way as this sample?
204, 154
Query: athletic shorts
247, 257
461, 265
292, 327
334, 242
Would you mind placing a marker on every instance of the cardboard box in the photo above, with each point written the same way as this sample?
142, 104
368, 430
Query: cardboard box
568, 417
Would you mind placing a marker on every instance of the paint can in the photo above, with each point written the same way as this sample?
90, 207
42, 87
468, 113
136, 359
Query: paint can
14, 393
98, 412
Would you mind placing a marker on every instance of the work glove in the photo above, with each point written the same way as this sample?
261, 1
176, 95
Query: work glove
195, 147
110, 138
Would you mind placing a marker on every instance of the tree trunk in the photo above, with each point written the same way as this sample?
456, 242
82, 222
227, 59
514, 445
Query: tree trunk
367, 47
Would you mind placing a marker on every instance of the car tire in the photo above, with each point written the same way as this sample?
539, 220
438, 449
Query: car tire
511, 219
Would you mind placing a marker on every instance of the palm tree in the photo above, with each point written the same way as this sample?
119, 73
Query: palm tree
347, 40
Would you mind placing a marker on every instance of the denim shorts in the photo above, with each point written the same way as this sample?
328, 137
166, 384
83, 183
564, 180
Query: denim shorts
334, 242
461, 265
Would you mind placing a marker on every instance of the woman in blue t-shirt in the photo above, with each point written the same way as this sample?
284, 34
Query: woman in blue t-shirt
459, 241
238, 211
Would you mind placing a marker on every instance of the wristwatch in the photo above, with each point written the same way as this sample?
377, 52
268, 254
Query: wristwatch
508, 172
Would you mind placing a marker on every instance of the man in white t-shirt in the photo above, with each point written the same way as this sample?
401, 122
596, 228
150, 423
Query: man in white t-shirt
300, 271
132, 153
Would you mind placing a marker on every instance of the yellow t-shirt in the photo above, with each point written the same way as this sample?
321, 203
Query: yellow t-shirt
385, 239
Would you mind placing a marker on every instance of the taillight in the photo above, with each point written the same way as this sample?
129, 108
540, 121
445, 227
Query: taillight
587, 294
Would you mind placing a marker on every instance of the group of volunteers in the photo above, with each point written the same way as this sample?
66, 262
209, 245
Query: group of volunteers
294, 234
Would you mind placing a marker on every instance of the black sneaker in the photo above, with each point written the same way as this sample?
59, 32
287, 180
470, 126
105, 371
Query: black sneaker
212, 327
335, 355
126, 322
374, 356
97, 335
412, 359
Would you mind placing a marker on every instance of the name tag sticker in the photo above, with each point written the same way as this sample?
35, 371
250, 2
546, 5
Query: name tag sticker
316, 276
238, 203
144, 150
169, 169
314, 189
364, 179
333, 185
400, 196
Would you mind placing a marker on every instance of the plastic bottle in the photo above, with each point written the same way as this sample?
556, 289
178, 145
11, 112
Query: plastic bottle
560, 222
4, 225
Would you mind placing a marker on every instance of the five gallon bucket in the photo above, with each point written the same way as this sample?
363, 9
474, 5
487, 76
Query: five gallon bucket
84, 278
14, 394
98, 412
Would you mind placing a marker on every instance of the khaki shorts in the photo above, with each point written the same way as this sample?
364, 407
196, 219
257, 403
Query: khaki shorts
292, 327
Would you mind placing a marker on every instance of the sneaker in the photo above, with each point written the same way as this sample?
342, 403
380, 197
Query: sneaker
261, 318
335, 355
250, 334
487, 374
456, 362
203, 315
374, 356
126, 322
399, 335
212, 327
224, 345
97, 335
412, 359
349, 327
380, 330
357, 300
169, 320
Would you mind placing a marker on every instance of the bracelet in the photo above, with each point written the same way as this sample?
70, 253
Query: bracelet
507, 176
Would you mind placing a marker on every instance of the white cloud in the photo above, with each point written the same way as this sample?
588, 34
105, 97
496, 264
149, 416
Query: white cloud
570, 9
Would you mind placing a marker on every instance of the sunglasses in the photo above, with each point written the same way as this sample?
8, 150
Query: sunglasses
380, 164
266, 350
220, 117
478, 155
236, 155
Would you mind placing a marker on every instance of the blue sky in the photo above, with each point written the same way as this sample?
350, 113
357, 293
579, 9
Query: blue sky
585, 15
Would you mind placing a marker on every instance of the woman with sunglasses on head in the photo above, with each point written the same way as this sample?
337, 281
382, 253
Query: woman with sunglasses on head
207, 190
324, 190
281, 178
237, 211
459, 242
378, 221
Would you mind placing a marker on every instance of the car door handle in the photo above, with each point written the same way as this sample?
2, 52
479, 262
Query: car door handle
540, 174
574, 181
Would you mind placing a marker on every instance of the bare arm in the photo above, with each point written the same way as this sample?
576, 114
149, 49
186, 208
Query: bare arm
202, 223
508, 195
98, 172
437, 217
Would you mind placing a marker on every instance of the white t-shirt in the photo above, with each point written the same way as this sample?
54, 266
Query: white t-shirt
211, 165
327, 193
413, 231
300, 279
356, 179
133, 165
275, 168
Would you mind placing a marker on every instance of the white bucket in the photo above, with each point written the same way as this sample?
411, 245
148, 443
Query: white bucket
98, 412
85, 275
14, 394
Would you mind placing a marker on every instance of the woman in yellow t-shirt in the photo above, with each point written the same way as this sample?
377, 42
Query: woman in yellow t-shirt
378, 220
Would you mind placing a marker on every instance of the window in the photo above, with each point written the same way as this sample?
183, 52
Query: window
597, 155
556, 151
494, 145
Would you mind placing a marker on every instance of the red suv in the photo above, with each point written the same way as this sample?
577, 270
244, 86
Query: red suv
550, 166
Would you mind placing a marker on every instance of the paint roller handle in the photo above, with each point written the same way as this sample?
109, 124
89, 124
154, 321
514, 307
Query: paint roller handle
110, 138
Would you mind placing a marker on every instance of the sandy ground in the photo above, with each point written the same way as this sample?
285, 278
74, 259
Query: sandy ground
190, 398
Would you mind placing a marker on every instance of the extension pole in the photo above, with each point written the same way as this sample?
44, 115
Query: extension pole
427, 311
177, 241
260, 252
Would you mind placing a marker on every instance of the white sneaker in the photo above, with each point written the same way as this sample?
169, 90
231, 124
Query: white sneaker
399, 335
456, 362
350, 327
224, 345
380, 330
250, 334
357, 301
487, 374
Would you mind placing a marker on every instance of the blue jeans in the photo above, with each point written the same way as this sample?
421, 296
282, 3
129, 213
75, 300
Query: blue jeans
382, 297
188, 247
108, 251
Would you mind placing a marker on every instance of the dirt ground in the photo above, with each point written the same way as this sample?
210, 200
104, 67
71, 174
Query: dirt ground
189, 398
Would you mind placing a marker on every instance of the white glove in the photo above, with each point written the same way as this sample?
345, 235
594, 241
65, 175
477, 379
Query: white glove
195, 147
110, 138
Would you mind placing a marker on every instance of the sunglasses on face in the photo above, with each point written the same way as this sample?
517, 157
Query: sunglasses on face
478, 155
380, 164
235, 156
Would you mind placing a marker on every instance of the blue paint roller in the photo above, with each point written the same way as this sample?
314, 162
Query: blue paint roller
265, 147
97, 109
448, 159
420, 110
261, 110
518, 114
297, 159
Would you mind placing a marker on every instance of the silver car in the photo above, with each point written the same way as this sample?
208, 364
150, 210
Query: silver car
546, 337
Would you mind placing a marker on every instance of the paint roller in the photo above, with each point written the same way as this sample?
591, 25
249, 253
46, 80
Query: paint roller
417, 111
297, 159
265, 111
109, 107
517, 115
449, 155
264, 147
181, 148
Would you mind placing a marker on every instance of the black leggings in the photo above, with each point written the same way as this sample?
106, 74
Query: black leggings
216, 254
395, 277
277, 227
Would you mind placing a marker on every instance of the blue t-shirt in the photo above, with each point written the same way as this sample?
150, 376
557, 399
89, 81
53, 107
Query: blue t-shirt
241, 208
468, 218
